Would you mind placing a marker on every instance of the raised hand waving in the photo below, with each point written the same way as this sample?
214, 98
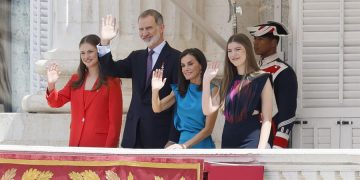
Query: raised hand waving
53, 73
157, 81
211, 70
108, 29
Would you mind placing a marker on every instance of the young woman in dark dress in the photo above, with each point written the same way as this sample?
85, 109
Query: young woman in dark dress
245, 96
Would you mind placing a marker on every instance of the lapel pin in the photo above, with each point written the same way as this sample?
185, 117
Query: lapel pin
162, 66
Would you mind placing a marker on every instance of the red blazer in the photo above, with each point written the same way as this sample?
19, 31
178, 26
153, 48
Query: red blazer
97, 121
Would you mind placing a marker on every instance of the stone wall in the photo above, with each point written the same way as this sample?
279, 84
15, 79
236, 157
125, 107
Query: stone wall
37, 129
20, 41
34, 129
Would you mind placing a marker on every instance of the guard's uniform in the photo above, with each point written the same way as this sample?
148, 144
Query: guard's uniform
285, 90
285, 83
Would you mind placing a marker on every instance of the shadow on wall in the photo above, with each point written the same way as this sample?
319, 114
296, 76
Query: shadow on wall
5, 89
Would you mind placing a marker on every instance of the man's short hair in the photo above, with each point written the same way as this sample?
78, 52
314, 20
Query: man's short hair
152, 12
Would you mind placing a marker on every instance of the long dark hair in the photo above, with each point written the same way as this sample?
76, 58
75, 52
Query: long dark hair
82, 69
183, 84
230, 70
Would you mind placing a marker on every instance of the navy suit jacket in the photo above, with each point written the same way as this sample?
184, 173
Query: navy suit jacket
154, 129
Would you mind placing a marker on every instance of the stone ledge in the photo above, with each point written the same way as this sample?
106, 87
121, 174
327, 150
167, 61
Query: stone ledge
66, 66
52, 129
34, 129
61, 54
37, 129
37, 103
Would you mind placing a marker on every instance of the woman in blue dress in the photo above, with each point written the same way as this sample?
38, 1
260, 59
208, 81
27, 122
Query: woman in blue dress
245, 96
195, 128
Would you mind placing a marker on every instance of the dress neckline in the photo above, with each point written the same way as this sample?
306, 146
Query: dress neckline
194, 84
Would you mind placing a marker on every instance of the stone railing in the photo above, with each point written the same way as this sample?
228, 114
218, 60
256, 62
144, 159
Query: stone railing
279, 164
41, 129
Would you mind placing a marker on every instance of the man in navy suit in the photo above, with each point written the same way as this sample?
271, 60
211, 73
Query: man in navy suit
143, 128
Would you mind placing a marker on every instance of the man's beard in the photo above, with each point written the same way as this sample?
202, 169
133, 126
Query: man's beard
153, 40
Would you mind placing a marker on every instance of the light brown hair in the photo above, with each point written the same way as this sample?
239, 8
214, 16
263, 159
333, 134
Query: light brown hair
230, 70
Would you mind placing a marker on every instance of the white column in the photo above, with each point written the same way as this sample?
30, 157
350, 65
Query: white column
183, 32
19, 52
126, 13
72, 20
40, 38
67, 24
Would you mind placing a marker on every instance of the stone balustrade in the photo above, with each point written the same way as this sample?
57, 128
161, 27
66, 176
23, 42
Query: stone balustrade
279, 164
43, 129
52, 129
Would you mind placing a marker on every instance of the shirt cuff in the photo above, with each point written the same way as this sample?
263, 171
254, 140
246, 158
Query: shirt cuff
102, 50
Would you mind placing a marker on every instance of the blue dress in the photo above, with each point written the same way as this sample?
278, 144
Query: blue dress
242, 111
189, 118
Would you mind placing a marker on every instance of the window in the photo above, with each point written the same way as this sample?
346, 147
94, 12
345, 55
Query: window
328, 57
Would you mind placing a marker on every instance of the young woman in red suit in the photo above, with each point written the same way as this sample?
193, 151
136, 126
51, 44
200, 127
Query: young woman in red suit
96, 100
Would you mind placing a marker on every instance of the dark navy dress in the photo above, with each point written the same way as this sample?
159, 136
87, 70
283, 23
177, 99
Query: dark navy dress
242, 111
